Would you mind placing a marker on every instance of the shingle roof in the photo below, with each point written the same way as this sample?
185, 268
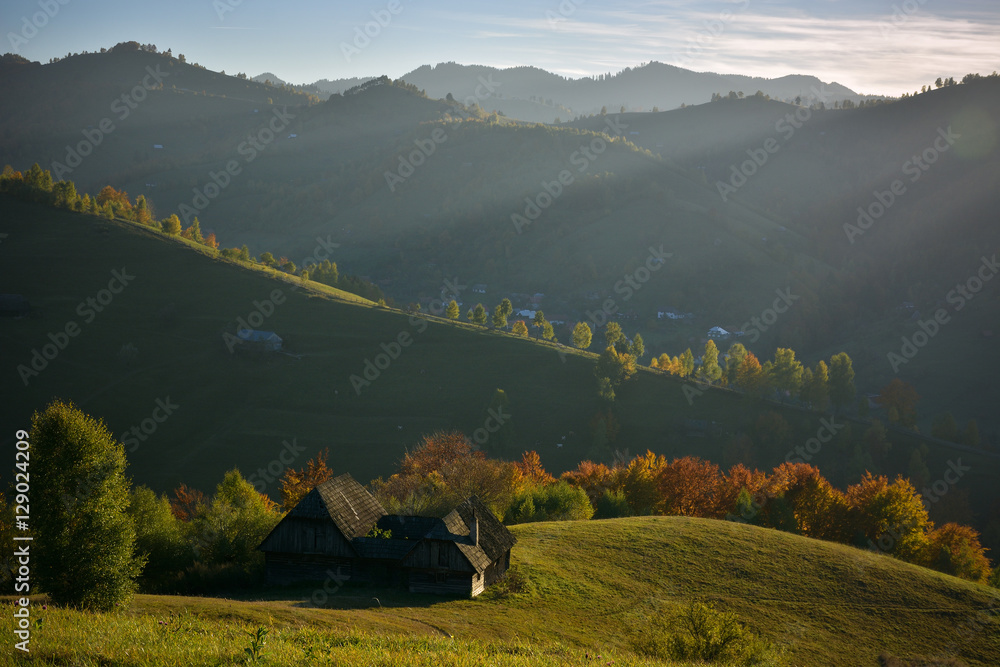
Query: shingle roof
494, 538
351, 507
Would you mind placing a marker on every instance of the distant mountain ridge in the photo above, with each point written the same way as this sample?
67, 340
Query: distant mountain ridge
533, 94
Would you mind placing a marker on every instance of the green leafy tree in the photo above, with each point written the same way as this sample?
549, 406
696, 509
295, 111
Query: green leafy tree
64, 194
539, 319
734, 357
613, 334
637, 348
842, 389
501, 313
582, 335
548, 333
452, 312
479, 315
84, 536
710, 371
160, 538
687, 363
945, 427
816, 386
786, 372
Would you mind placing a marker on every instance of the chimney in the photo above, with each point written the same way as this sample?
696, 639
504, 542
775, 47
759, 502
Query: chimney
474, 530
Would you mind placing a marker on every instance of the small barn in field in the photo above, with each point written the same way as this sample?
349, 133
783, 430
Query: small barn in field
332, 532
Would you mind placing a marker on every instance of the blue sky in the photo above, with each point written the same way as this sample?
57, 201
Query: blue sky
855, 43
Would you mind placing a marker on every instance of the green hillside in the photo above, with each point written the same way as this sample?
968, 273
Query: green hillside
592, 588
162, 338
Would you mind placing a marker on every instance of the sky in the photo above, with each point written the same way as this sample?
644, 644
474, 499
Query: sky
872, 46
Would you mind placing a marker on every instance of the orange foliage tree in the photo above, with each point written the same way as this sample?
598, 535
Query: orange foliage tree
531, 470
186, 502
295, 484
889, 517
689, 487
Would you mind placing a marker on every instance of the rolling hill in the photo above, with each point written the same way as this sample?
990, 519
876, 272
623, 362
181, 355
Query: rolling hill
590, 589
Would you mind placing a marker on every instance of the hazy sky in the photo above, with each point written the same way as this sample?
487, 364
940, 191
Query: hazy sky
854, 42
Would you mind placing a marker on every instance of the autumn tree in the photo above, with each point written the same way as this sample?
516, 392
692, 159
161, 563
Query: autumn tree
582, 335
520, 328
888, 516
900, 401
295, 484
637, 348
548, 333
956, 550
532, 471
687, 487
750, 376
686, 363
945, 427
172, 225
186, 502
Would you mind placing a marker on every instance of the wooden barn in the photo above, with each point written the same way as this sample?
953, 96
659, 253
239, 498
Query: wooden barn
330, 533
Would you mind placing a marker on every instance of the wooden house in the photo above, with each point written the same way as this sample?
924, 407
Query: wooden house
331, 532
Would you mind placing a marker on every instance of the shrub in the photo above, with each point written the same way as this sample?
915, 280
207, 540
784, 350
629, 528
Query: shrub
551, 502
612, 505
700, 633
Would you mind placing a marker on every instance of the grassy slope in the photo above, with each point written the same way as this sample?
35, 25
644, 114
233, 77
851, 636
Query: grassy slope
596, 585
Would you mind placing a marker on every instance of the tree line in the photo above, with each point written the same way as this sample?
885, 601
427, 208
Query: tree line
36, 185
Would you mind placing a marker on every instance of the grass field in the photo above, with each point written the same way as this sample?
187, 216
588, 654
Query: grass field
592, 588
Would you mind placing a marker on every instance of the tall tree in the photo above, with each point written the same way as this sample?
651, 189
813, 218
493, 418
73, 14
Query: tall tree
687, 363
582, 335
842, 389
734, 358
637, 347
816, 386
479, 315
786, 372
85, 537
750, 376
452, 312
710, 371
613, 334
172, 225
